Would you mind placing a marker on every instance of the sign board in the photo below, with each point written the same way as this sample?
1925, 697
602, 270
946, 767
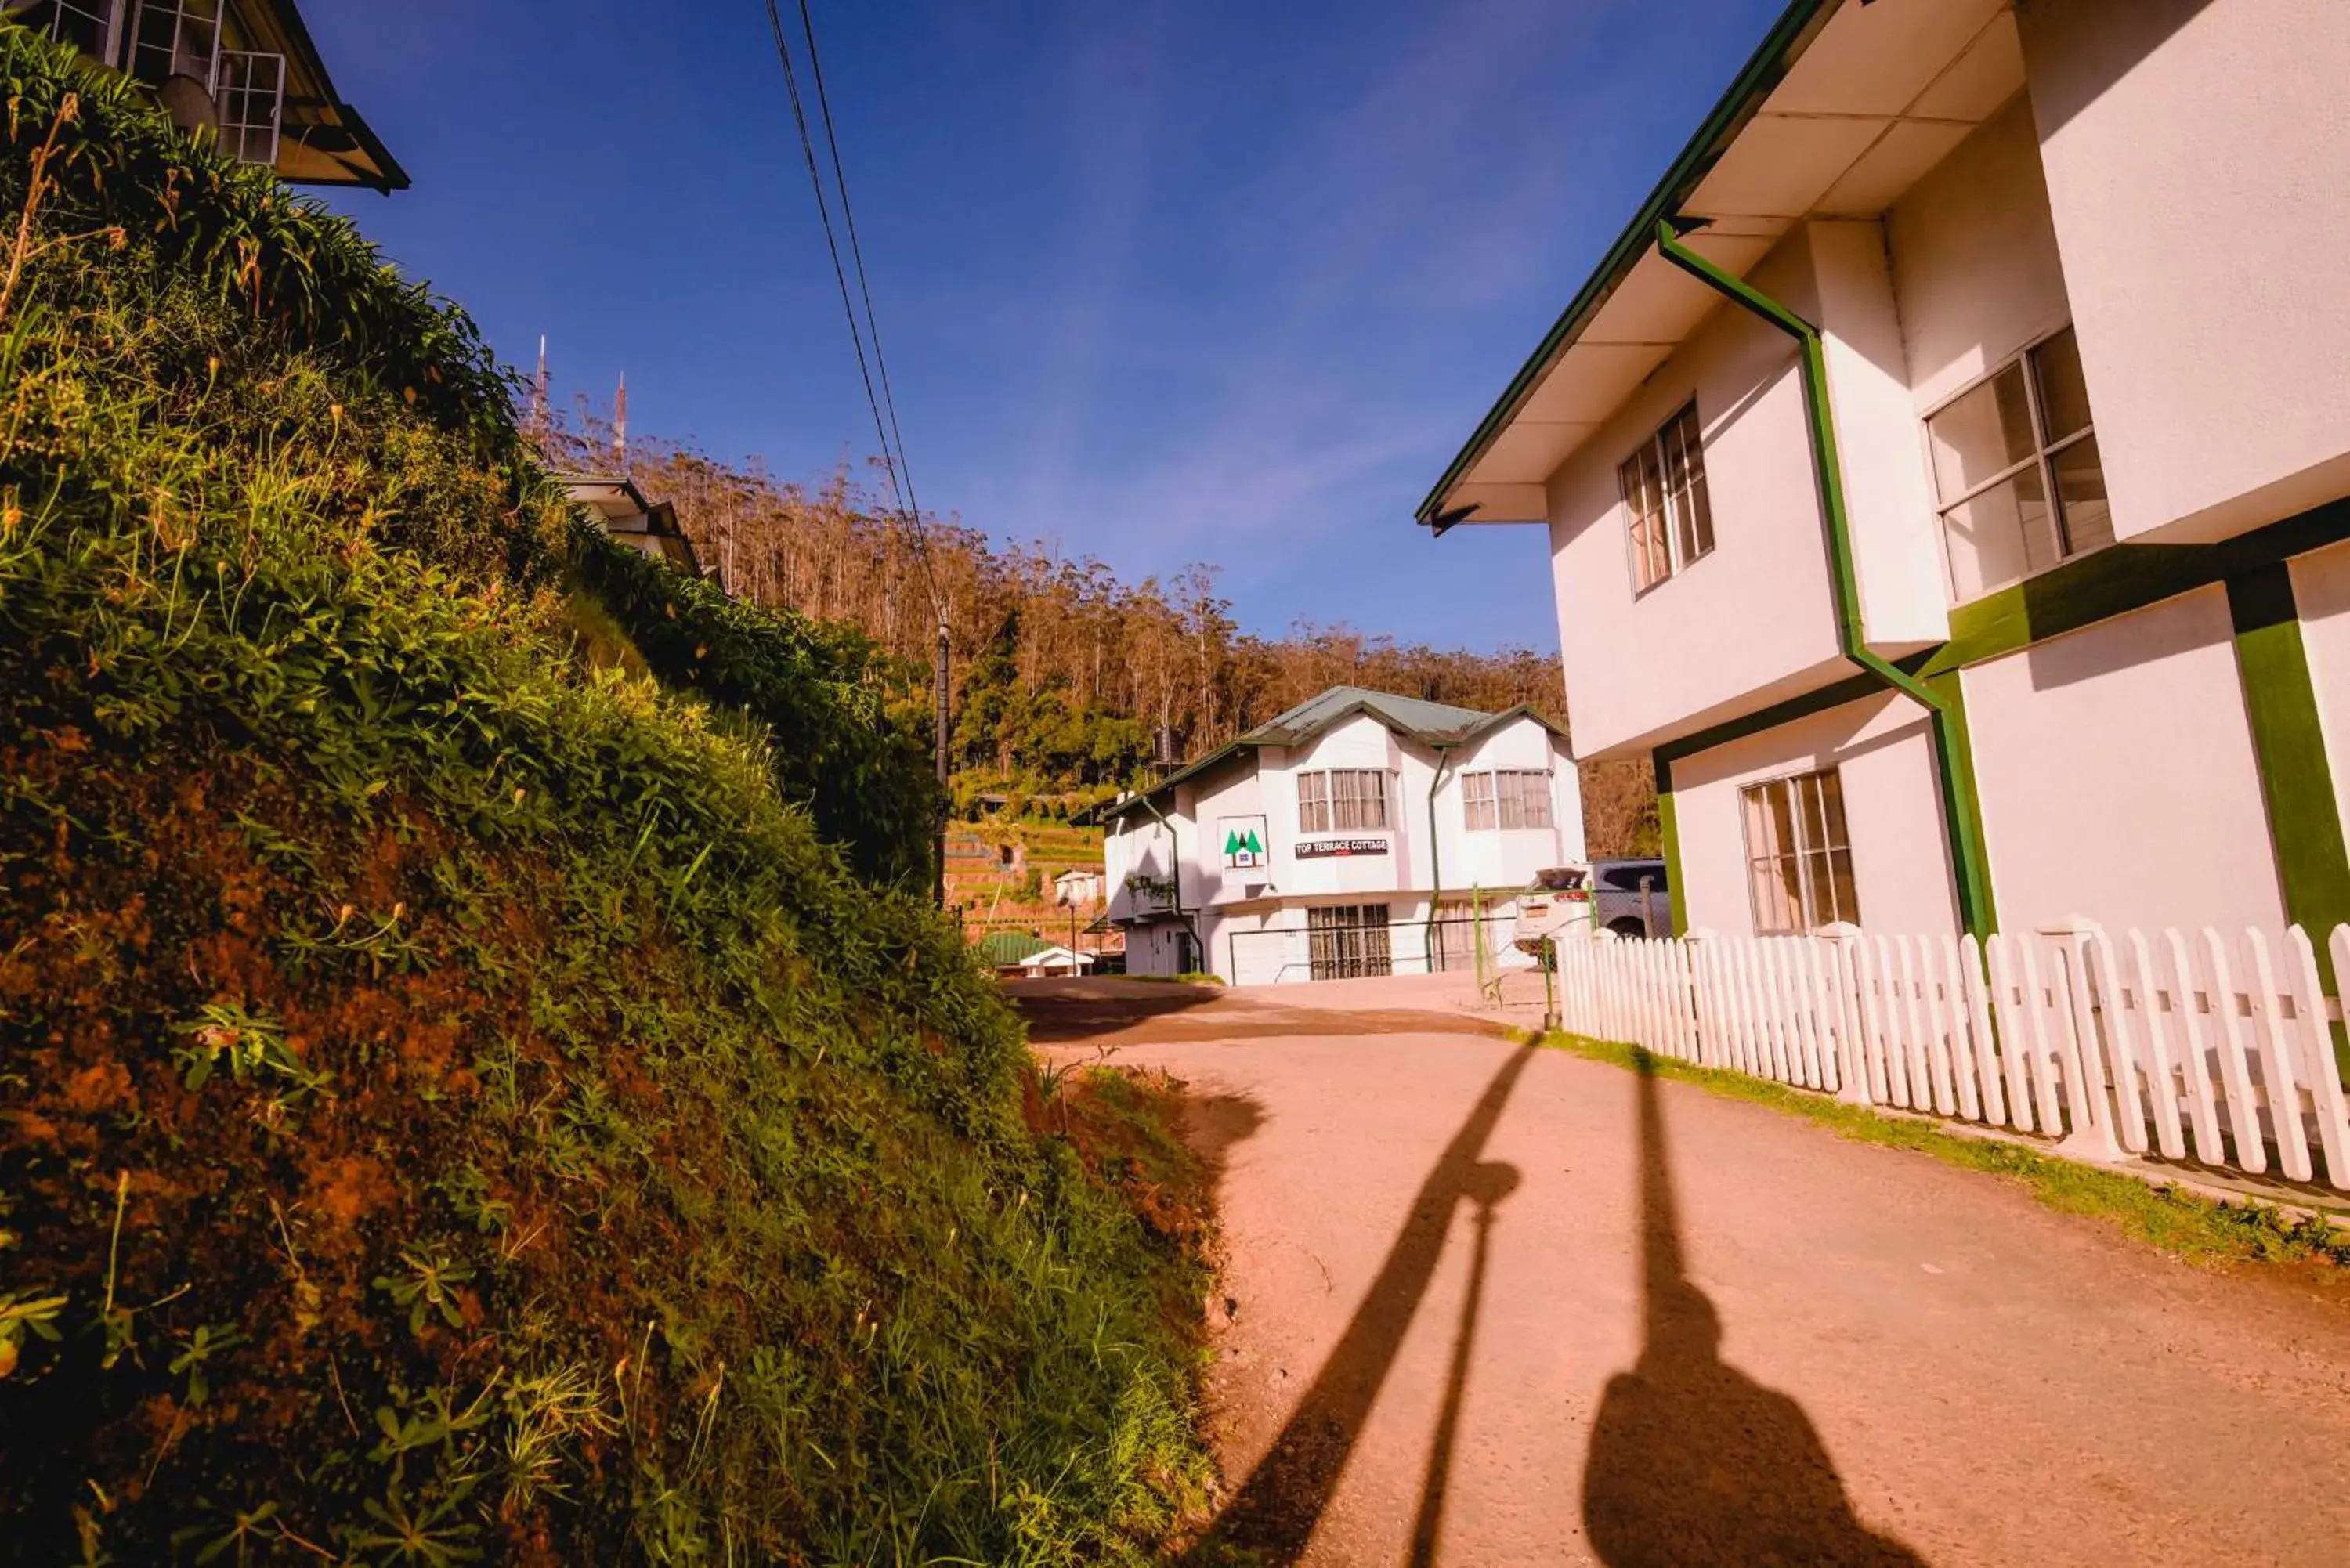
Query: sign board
1327, 848
1245, 843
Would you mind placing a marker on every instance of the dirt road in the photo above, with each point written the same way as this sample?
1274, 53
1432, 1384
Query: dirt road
1494, 1306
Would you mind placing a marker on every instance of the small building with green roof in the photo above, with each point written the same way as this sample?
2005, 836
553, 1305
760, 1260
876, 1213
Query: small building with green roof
1358, 833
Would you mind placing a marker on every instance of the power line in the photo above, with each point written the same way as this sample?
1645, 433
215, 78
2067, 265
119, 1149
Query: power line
888, 432
864, 288
894, 456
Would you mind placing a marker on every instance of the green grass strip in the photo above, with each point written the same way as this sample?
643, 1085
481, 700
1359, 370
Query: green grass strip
2184, 1224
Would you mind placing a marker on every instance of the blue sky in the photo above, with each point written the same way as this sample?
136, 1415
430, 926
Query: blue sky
1161, 282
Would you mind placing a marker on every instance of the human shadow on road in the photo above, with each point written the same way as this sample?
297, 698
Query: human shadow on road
1489, 1184
1691, 1461
1273, 1515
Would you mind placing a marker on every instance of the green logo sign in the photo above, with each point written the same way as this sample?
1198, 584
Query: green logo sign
1243, 843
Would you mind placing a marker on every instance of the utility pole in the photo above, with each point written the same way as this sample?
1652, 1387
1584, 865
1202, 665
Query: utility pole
938, 724
620, 424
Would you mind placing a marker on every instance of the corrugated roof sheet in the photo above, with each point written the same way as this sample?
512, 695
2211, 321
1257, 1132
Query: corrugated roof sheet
1004, 947
1421, 719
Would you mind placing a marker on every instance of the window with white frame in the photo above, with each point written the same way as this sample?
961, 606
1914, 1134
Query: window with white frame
1342, 800
174, 39
1798, 853
2017, 472
251, 98
88, 26
1504, 798
1667, 513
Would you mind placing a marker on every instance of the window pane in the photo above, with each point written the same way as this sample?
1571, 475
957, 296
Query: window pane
2063, 392
1778, 804
1537, 800
1847, 901
1681, 441
2000, 536
1983, 434
2081, 491
1644, 508
1819, 894
1787, 895
1830, 782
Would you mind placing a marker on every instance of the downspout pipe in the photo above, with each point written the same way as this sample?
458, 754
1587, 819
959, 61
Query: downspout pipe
1175, 878
1962, 812
1435, 857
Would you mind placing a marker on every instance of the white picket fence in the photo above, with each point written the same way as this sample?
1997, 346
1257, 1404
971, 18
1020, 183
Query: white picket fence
2187, 1047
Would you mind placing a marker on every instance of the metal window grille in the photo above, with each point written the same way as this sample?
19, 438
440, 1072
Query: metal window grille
2016, 468
89, 26
1346, 941
1669, 512
174, 39
1799, 853
250, 98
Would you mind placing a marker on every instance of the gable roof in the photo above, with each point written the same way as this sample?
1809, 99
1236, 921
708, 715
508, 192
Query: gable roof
1414, 718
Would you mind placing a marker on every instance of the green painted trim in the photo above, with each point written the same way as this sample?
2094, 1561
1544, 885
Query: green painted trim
1669, 830
1764, 71
2289, 743
1852, 688
1956, 760
1962, 811
2118, 579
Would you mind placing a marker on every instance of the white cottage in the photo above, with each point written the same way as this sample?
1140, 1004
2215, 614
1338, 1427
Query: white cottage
1359, 833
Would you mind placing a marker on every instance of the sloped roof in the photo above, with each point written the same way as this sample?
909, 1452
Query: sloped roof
1004, 947
1414, 718
1434, 723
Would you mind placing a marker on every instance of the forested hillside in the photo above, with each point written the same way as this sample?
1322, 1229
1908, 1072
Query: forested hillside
1061, 673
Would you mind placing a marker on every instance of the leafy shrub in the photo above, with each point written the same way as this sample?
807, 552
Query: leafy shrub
823, 692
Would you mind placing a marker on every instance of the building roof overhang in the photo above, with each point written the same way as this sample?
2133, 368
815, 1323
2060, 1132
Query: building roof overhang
1842, 108
323, 140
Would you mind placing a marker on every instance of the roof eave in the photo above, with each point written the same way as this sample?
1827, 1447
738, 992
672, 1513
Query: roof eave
1764, 71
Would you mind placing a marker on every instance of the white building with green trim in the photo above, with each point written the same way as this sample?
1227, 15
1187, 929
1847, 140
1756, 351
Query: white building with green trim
1359, 833
1961, 431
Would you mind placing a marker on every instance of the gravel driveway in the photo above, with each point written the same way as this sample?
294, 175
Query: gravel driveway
1492, 1305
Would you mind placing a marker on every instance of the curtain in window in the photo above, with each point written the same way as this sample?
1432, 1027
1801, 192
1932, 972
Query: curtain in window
1313, 802
1799, 853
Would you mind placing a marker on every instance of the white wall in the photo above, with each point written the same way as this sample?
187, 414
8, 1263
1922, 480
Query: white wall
1888, 490
2118, 775
1750, 621
1976, 270
2195, 153
1510, 857
1883, 750
2320, 589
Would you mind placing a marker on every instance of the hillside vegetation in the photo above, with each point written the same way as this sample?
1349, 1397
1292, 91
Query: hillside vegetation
1062, 672
458, 1099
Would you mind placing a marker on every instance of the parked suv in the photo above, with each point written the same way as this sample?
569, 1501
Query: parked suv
1632, 897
